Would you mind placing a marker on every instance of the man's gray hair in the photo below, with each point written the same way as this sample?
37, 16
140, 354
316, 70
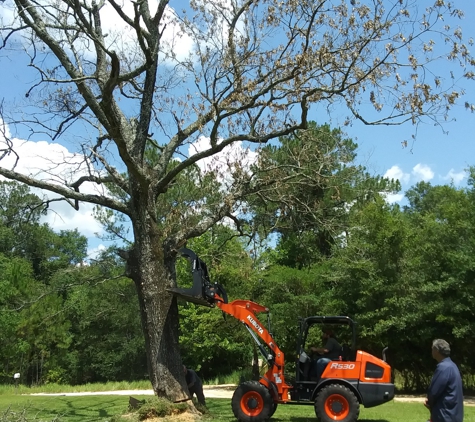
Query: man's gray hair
442, 347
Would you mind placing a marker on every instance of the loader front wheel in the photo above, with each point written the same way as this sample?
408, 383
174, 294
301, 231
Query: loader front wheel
336, 402
252, 402
273, 409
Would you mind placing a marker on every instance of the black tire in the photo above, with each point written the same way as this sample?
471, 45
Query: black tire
335, 402
272, 411
252, 402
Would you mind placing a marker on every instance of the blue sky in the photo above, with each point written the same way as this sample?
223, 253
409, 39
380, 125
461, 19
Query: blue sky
433, 156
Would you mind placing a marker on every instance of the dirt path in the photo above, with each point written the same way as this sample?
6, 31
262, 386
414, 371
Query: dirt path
219, 392
224, 391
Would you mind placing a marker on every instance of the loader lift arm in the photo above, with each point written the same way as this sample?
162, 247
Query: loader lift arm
203, 292
245, 311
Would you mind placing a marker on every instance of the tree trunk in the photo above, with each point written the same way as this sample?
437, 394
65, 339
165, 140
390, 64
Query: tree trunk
153, 271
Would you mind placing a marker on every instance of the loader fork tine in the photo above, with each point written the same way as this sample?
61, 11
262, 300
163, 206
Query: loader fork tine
203, 292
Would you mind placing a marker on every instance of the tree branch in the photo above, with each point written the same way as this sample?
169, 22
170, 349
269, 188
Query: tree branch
67, 193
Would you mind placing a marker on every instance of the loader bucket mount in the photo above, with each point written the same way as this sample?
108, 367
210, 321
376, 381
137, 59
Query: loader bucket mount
203, 292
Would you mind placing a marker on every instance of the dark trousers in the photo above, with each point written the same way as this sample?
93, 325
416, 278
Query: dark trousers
197, 390
318, 366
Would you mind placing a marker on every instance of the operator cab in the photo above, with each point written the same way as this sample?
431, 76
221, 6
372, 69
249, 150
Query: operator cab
311, 331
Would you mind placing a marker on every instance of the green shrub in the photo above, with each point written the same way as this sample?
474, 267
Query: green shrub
54, 376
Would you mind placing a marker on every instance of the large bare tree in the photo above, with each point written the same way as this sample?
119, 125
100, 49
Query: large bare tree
133, 86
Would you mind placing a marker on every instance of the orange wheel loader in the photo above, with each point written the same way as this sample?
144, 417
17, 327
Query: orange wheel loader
356, 378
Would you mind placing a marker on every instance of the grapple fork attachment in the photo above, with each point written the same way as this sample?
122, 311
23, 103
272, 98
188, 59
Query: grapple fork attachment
203, 292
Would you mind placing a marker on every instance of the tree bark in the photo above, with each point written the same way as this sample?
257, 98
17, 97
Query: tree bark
153, 270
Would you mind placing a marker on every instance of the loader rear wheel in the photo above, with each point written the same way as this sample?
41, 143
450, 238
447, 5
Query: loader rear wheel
252, 402
336, 402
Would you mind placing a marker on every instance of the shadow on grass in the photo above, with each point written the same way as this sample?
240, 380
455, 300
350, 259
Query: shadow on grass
373, 420
220, 411
80, 409
313, 419
92, 411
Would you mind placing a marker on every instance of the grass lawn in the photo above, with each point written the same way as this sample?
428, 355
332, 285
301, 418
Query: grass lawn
221, 411
103, 408
63, 408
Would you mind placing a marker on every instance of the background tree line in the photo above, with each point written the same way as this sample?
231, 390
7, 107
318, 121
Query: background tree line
405, 274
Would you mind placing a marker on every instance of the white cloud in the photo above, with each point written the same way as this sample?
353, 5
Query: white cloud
62, 216
50, 162
392, 198
122, 37
422, 172
222, 163
7, 14
94, 252
395, 172
232, 157
178, 39
454, 177
53, 163
119, 36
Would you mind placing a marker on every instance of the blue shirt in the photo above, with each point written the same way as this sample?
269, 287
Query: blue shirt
445, 394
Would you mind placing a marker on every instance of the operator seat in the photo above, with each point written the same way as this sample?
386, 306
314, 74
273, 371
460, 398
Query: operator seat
345, 352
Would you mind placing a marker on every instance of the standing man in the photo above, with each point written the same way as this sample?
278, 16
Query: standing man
445, 394
195, 386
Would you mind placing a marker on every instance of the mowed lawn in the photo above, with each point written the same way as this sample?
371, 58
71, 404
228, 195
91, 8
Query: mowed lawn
104, 408
63, 408
389, 412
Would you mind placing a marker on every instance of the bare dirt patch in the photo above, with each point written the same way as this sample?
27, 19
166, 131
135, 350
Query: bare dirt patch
181, 417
